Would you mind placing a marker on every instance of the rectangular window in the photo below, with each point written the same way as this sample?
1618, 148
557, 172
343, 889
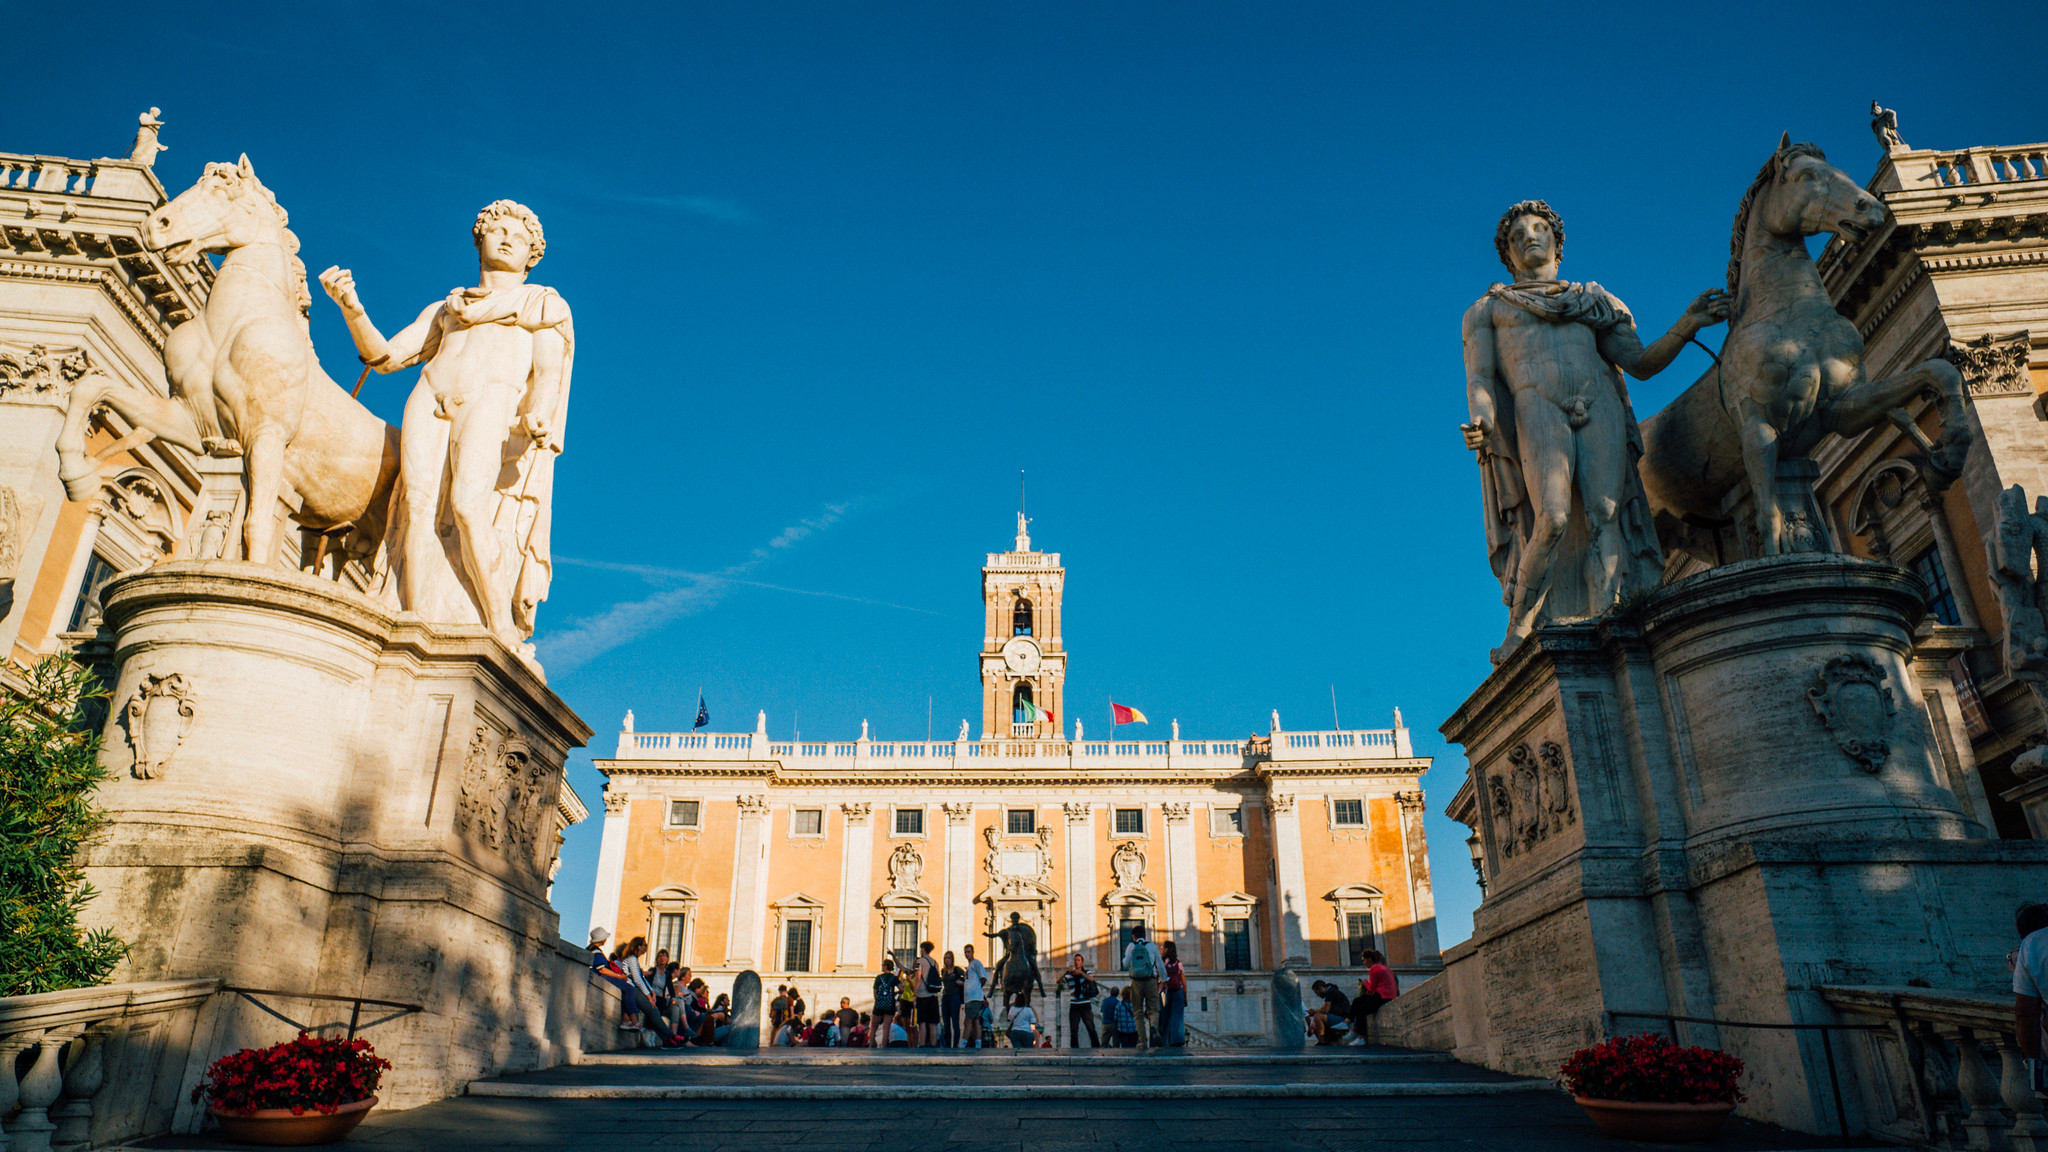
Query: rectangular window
808, 822
1226, 822
1130, 821
1348, 813
1941, 599
97, 573
1237, 945
796, 946
910, 821
1357, 935
1123, 939
668, 934
1023, 821
683, 813
903, 943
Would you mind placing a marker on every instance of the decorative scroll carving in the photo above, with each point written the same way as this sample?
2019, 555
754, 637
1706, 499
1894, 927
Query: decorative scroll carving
1994, 365
473, 813
40, 370
160, 716
1851, 699
906, 868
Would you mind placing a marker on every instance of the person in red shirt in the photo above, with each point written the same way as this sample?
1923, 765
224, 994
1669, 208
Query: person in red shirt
1374, 991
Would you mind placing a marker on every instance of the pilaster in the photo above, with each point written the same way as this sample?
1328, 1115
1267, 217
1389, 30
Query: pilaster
611, 862
1293, 877
959, 895
749, 901
1183, 893
1081, 906
856, 871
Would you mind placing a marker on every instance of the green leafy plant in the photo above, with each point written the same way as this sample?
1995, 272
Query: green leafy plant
49, 770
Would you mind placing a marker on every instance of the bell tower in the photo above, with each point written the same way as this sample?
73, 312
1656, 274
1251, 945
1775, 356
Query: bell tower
1023, 665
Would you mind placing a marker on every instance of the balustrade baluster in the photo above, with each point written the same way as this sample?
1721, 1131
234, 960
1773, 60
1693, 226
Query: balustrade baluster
2017, 1087
1987, 1121
82, 1081
39, 1089
10, 1086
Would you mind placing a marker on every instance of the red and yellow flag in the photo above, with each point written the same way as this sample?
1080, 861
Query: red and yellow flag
1124, 714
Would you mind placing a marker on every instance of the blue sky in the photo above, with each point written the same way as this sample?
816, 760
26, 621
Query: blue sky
841, 269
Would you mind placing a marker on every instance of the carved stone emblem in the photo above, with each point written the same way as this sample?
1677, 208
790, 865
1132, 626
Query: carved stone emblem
160, 715
906, 868
1503, 808
1532, 799
1127, 864
1557, 789
1851, 699
473, 796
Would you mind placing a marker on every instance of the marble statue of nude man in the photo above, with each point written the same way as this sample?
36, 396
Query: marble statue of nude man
1551, 420
486, 415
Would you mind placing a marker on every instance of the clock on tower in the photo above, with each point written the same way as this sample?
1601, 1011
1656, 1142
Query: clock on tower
1023, 665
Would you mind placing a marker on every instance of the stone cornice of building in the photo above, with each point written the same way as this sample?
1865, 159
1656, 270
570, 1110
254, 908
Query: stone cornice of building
1966, 229
151, 327
1256, 777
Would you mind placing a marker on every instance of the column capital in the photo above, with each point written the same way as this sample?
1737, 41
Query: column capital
753, 805
857, 811
614, 802
1177, 811
958, 811
1078, 813
1281, 801
1411, 801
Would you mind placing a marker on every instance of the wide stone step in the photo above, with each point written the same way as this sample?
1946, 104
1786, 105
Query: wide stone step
961, 1076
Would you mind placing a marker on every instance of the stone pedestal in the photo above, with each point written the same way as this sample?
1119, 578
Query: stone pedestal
1711, 805
314, 795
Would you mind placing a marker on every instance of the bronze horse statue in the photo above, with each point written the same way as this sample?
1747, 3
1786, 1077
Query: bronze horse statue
244, 379
1791, 370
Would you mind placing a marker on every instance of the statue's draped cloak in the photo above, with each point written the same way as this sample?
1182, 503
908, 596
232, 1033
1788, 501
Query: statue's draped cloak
1510, 515
526, 482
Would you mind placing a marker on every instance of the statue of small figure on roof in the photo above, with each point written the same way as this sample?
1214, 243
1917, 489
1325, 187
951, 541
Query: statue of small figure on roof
1884, 123
146, 146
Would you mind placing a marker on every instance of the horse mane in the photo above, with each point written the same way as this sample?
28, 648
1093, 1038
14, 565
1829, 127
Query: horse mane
234, 173
1765, 175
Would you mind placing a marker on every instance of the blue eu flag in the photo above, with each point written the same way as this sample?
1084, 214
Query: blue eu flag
703, 713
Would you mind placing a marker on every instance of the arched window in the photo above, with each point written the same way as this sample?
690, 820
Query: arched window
1019, 714
1020, 618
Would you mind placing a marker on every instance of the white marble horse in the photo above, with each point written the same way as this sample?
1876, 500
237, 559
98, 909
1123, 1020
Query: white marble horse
244, 378
1791, 370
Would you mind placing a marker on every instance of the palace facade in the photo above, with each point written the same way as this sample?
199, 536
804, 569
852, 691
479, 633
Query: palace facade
810, 862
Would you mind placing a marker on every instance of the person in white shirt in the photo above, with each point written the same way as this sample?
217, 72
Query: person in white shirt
2030, 987
1023, 1024
975, 993
1143, 961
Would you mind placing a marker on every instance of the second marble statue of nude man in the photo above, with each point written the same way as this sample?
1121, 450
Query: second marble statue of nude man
1568, 529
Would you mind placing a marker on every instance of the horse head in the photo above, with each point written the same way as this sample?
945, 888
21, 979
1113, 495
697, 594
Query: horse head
1799, 194
227, 208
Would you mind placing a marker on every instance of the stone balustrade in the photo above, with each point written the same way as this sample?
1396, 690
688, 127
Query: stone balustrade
59, 1050
1930, 1080
1355, 744
1971, 166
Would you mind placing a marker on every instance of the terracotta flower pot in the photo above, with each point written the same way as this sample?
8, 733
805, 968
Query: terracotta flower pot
1667, 1123
277, 1127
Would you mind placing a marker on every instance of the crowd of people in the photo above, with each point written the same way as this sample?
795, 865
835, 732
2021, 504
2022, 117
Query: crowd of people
940, 1003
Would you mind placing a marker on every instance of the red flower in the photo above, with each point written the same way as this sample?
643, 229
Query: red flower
1649, 1068
310, 1073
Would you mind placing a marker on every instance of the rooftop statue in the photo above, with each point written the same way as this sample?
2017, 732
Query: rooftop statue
1568, 530
1791, 371
145, 148
469, 532
1884, 123
244, 379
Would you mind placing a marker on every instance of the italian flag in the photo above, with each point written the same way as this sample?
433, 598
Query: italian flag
1033, 712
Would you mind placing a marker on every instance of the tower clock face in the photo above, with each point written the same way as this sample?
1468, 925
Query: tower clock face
1020, 655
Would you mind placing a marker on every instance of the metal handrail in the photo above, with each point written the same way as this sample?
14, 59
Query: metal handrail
1827, 1048
355, 1003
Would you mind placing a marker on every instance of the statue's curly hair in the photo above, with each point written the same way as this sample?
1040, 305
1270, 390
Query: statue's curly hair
519, 212
1526, 208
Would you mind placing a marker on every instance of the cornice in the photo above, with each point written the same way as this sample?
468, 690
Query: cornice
150, 327
778, 777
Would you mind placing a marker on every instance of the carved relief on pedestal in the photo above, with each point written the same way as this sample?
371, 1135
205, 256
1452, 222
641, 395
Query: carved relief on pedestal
473, 793
1501, 807
1558, 811
160, 715
505, 795
1531, 799
1851, 699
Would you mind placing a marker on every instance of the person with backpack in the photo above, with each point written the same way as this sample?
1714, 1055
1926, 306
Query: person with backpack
929, 985
1118, 1020
952, 982
885, 1002
1175, 991
1143, 961
1081, 993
